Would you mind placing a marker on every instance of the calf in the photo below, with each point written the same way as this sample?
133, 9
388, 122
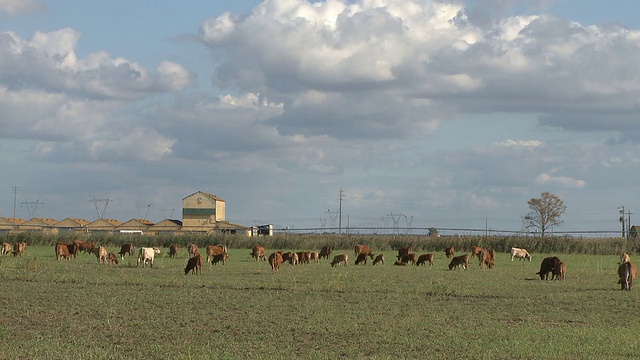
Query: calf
520, 254
363, 249
127, 248
6, 248
325, 252
259, 253
62, 252
424, 258
112, 258
146, 255
548, 265
19, 248
275, 260
379, 259
361, 259
173, 250
194, 264
213, 250
462, 260
215, 259
342, 258
101, 254
449, 252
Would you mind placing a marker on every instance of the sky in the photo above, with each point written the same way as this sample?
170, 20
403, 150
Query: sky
407, 113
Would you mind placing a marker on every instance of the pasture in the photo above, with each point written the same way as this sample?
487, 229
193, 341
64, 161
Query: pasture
80, 309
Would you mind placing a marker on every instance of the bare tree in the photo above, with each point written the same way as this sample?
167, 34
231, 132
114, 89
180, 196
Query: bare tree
546, 212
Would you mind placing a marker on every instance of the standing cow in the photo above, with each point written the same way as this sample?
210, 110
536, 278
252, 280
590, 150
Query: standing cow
342, 258
275, 260
173, 250
520, 254
101, 254
213, 250
127, 248
259, 253
194, 265
146, 255
325, 252
548, 266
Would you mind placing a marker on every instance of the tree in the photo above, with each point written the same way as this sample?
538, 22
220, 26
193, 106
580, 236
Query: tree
546, 212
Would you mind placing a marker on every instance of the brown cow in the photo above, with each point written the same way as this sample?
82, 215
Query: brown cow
112, 258
62, 252
475, 251
173, 250
259, 253
275, 259
84, 246
101, 254
127, 248
342, 258
627, 272
215, 259
486, 258
379, 259
449, 252
6, 248
560, 271
194, 264
286, 256
19, 248
304, 257
547, 266
364, 249
325, 252
213, 250
315, 256
73, 249
462, 260
409, 258
424, 258
404, 251
192, 249
362, 258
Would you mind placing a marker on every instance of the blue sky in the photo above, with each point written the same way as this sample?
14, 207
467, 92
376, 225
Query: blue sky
452, 114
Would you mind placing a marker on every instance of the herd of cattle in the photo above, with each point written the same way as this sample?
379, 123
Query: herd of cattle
627, 271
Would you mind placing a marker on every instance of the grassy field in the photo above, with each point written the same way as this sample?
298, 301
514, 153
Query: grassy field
82, 310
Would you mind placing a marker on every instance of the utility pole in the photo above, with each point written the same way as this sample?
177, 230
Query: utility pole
621, 219
629, 223
15, 196
340, 197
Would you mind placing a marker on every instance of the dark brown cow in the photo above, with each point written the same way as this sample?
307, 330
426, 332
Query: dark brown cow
361, 259
462, 260
85, 246
275, 260
379, 259
259, 253
342, 258
409, 258
363, 249
194, 264
173, 250
19, 248
449, 252
215, 259
6, 248
62, 252
325, 252
127, 248
404, 251
112, 258
213, 250
286, 256
548, 265
424, 258
73, 249
627, 272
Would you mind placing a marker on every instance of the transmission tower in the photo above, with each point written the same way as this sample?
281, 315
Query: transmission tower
165, 211
396, 219
31, 206
146, 213
104, 209
332, 216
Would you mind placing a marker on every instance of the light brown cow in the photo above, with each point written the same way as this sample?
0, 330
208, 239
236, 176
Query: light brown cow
112, 258
486, 258
325, 251
215, 259
363, 249
624, 258
315, 256
294, 258
379, 259
192, 249
213, 250
304, 257
449, 252
424, 258
173, 250
560, 271
275, 259
476, 250
62, 252
462, 260
127, 248
259, 253
6, 248
194, 264
19, 248
101, 254
342, 258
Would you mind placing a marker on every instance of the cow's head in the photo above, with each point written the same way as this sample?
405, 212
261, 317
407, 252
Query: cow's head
156, 250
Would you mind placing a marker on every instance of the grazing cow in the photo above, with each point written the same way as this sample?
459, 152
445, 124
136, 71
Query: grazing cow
475, 251
112, 258
19, 248
127, 248
62, 252
304, 257
294, 258
424, 258
404, 251
325, 252
192, 249
6, 248
286, 256
462, 260
213, 250
449, 252
361, 259
379, 259
173, 250
548, 265
101, 254
147, 255
315, 256
73, 249
560, 271
400, 263
627, 272
275, 259
520, 254
624, 258
409, 258
215, 259
85, 246
342, 258
486, 258
364, 249
194, 264
259, 253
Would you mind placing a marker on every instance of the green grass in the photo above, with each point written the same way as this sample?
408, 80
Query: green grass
82, 310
